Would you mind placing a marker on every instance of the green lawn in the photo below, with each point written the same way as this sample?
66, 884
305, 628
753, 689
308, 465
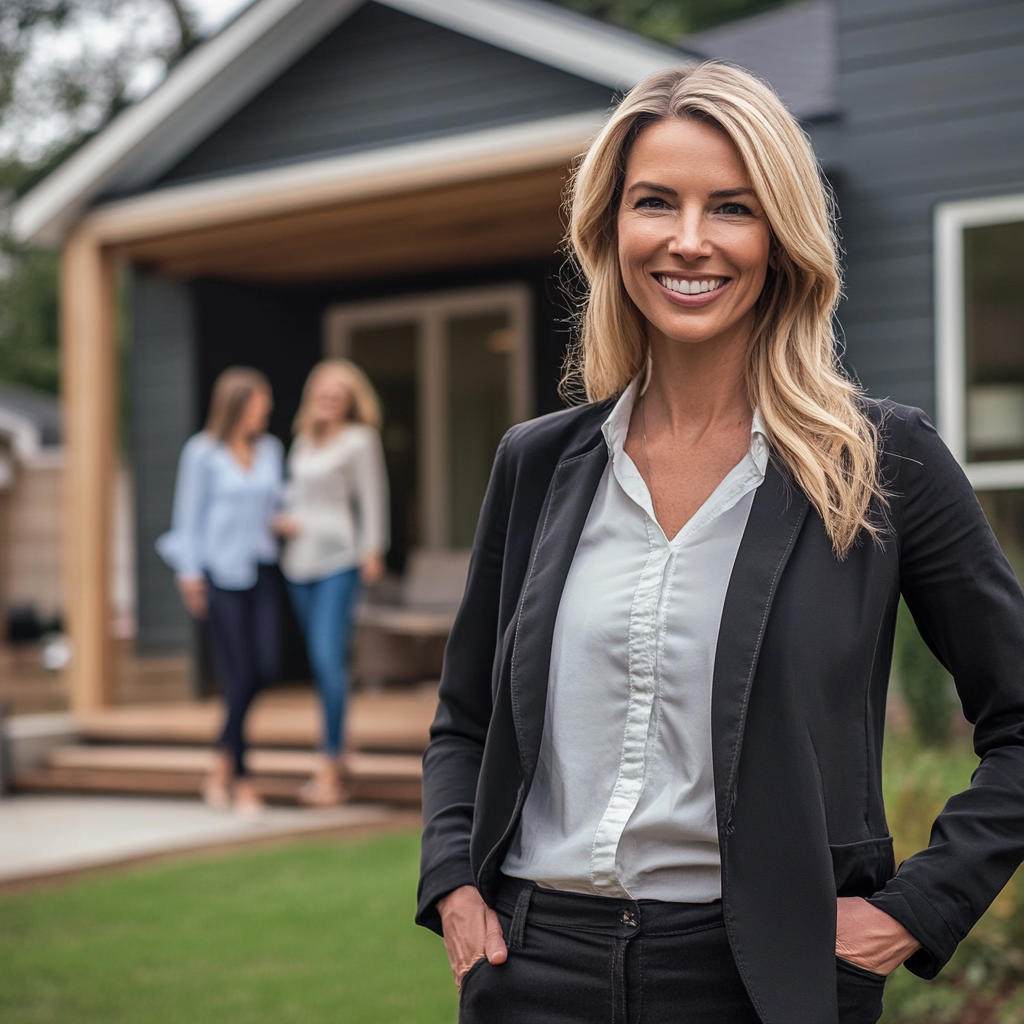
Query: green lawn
315, 931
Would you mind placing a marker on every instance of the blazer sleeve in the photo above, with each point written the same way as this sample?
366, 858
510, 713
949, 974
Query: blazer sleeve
451, 764
969, 609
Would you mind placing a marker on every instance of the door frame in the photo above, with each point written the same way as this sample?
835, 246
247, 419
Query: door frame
429, 311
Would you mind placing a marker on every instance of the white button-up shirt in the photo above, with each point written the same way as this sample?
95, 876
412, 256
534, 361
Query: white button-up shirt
623, 800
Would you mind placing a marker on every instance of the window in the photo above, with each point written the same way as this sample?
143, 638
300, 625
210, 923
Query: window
979, 252
454, 372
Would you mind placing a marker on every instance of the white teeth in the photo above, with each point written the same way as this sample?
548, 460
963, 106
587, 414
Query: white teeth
685, 287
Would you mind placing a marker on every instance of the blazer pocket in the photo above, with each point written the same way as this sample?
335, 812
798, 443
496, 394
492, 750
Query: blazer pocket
861, 869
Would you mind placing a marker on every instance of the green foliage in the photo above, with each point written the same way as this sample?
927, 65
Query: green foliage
925, 684
315, 933
984, 982
29, 349
669, 20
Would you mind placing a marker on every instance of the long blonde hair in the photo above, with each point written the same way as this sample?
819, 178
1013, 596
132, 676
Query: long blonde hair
812, 411
231, 393
365, 405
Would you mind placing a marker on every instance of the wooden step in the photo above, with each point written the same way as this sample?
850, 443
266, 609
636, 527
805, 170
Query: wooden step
279, 718
277, 774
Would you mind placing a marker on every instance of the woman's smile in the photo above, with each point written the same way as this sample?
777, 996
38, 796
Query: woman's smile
692, 292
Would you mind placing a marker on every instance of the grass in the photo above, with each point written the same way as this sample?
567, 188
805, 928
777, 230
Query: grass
311, 932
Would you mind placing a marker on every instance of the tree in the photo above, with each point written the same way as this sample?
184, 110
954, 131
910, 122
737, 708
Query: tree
66, 68
669, 20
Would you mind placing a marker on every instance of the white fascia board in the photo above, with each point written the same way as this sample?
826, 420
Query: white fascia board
348, 178
197, 96
559, 38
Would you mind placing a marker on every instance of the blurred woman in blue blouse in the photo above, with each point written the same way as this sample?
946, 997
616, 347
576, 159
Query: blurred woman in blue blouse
223, 549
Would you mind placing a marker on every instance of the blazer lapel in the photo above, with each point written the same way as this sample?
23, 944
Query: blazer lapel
777, 512
570, 495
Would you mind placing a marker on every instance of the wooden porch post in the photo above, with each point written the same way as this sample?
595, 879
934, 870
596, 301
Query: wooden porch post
89, 395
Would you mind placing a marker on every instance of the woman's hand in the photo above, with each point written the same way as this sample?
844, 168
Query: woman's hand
471, 931
372, 569
870, 938
286, 525
193, 595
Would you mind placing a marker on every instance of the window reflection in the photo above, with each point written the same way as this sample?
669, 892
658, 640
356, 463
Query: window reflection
994, 301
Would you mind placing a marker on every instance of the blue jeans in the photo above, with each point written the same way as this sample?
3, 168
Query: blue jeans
324, 610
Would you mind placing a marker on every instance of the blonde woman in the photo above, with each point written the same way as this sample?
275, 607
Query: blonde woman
653, 791
223, 549
337, 533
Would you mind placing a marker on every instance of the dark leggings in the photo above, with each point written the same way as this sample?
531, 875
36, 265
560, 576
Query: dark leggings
244, 633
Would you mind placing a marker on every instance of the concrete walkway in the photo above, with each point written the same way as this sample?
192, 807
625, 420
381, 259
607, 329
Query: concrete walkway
43, 836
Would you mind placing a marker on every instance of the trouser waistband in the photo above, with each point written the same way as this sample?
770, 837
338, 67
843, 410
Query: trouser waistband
607, 915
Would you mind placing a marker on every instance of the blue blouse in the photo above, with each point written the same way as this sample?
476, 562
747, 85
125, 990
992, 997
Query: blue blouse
221, 523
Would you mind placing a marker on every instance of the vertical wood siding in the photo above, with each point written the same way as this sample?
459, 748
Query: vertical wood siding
932, 95
163, 416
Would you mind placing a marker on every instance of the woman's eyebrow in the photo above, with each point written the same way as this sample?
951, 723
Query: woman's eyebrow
651, 186
731, 193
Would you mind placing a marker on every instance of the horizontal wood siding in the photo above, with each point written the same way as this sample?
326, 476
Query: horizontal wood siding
932, 95
163, 410
383, 77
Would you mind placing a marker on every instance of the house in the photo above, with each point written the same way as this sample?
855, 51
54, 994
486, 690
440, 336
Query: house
376, 179
383, 179
31, 462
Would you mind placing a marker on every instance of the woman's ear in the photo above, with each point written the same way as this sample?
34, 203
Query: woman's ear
773, 254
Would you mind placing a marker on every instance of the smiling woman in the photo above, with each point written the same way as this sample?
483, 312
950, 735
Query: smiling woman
653, 791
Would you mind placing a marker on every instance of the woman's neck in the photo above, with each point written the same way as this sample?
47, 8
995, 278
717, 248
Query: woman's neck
243, 447
696, 387
326, 430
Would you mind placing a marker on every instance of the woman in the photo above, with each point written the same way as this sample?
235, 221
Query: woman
337, 531
223, 549
653, 791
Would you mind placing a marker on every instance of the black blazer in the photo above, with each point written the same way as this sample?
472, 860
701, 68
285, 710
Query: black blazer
798, 702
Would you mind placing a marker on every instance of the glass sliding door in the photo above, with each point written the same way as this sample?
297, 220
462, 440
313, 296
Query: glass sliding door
454, 372
387, 354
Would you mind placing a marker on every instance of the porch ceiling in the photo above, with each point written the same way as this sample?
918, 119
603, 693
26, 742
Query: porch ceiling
490, 220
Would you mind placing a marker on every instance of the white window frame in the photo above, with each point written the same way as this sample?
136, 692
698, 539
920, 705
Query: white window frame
951, 220
430, 311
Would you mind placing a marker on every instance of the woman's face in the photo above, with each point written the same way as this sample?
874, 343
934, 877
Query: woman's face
256, 414
330, 399
694, 243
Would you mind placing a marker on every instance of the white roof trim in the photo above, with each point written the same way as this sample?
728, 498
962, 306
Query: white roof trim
345, 178
551, 35
221, 75
200, 93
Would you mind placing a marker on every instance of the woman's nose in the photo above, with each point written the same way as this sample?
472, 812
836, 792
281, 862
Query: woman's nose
690, 239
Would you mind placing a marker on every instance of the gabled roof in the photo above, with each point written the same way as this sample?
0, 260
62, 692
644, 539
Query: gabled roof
794, 48
220, 76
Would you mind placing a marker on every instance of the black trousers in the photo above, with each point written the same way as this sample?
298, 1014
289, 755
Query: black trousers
245, 636
593, 960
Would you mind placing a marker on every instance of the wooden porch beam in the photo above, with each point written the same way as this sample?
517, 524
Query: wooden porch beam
89, 387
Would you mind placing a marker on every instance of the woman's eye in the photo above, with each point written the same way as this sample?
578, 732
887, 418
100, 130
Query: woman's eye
650, 203
734, 209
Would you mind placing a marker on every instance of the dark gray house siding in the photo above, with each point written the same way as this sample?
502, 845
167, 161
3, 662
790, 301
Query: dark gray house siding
383, 77
932, 100
163, 415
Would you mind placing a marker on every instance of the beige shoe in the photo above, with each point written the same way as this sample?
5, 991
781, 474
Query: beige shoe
247, 801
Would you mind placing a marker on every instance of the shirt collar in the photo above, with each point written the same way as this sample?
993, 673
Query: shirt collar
616, 426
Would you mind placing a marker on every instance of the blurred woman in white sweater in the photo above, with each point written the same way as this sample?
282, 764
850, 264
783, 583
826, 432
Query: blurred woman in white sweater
336, 532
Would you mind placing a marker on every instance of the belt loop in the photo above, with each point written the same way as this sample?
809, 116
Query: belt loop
515, 932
